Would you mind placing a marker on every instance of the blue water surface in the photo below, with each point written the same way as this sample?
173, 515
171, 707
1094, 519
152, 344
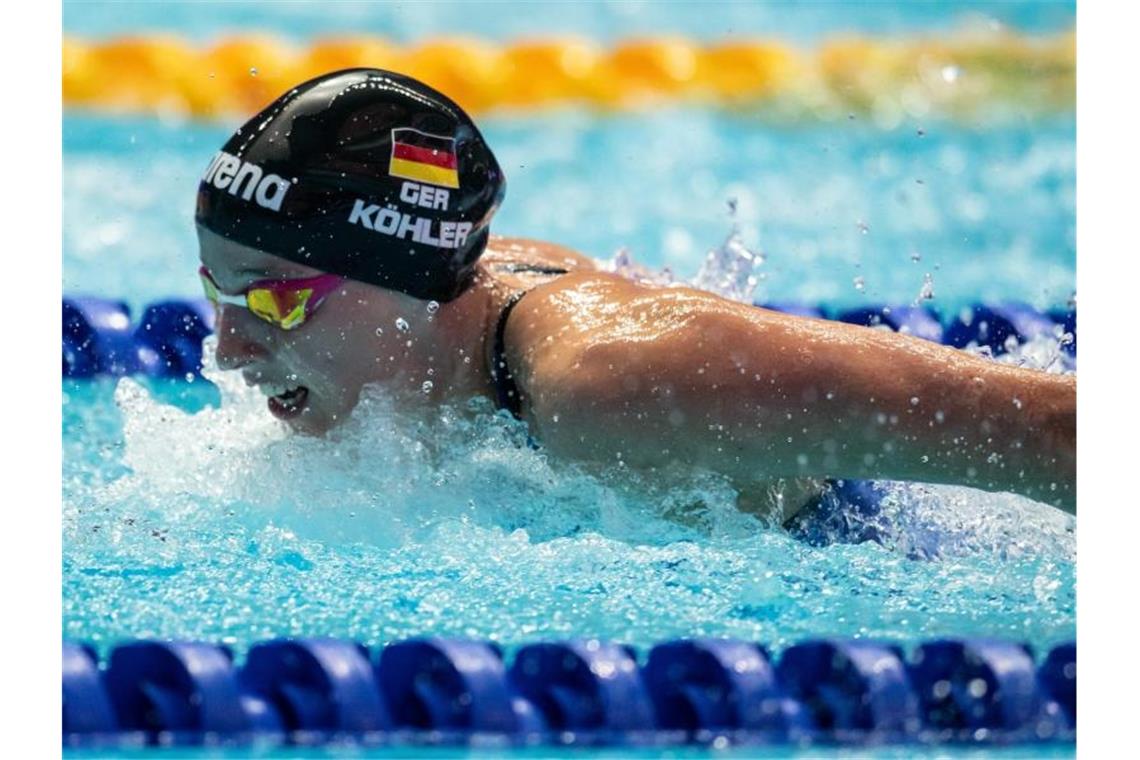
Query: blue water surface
847, 213
795, 20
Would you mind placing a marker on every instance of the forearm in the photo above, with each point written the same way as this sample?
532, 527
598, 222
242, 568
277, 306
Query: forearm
965, 421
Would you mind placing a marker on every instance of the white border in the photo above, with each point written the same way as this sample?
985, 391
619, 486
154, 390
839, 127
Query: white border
1107, 243
31, 547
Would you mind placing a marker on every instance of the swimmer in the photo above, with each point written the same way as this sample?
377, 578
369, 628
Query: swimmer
345, 237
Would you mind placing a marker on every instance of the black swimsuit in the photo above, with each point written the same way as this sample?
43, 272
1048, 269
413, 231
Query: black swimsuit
507, 394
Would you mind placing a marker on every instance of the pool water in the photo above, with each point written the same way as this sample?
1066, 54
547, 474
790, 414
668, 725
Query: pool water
190, 513
186, 519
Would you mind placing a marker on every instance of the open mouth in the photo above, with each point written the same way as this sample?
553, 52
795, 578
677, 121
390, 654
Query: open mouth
286, 402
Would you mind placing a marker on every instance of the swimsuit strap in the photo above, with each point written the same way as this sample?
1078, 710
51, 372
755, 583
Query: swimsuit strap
506, 391
507, 394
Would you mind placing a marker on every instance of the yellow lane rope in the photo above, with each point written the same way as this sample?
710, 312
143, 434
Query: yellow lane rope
963, 76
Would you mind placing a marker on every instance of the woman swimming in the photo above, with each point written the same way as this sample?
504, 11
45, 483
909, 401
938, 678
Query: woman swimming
353, 199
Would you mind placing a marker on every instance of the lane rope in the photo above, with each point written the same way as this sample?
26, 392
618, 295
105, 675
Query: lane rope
425, 691
970, 76
101, 338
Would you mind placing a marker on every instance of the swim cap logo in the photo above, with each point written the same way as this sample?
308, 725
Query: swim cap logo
228, 172
419, 229
424, 157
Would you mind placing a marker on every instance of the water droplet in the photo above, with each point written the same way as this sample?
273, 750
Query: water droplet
926, 292
379, 331
940, 416
253, 71
925, 459
859, 283
864, 228
402, 324
432, 307
554, 418
915, 256
427, 386
914, 400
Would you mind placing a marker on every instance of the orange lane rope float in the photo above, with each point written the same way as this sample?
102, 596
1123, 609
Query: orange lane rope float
968, 76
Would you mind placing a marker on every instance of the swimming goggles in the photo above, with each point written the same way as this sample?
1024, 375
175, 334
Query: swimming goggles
288, 304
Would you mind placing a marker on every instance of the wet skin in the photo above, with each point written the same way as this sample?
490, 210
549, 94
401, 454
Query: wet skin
661, 379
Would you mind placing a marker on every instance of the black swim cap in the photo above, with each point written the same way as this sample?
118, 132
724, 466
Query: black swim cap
363, 173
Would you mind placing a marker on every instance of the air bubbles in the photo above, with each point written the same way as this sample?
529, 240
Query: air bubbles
427, 386
379, 331
859, 283
253, 71
950, 74
432, 307
402, 325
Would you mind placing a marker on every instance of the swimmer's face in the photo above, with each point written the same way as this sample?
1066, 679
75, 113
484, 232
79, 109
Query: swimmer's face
313, 375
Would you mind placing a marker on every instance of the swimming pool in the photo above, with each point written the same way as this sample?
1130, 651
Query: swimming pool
188, 519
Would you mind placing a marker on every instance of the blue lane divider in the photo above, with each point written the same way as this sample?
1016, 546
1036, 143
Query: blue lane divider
720, 685
173, 331
978, 685
100, 339
97, 338
851, 686
316, 686
86, 706
182, 690
584, 686
994, 325
446, 691
447, 685
1058, 679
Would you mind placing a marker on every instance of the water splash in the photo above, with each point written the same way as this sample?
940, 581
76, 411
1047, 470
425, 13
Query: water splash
731, 269
623, 264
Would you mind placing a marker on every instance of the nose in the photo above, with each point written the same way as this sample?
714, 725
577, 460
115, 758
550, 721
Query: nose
238, 342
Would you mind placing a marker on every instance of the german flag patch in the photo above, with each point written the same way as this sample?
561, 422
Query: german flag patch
423, 157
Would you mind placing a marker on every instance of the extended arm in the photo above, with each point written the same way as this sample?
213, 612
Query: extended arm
650, 376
